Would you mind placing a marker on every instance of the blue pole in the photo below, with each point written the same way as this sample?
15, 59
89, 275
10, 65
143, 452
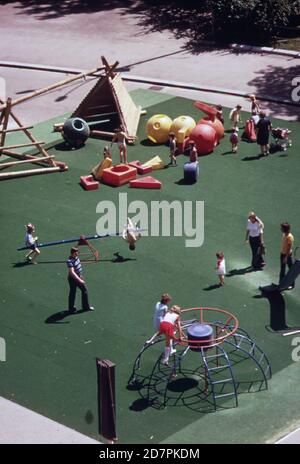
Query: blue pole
72, 240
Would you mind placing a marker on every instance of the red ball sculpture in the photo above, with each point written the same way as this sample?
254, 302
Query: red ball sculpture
216, 124
205, 138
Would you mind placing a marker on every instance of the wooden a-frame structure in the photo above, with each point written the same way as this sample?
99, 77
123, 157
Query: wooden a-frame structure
108, 105
46, 163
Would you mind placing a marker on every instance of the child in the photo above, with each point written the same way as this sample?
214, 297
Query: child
129, 234
219, 114
234, 139
169, 323
107, 152
173, 148
121, 138
254, 104
161, 308
193, 152
30, 243
221, 269
235, 116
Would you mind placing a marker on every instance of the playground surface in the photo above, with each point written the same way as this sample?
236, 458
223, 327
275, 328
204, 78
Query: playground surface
50, 366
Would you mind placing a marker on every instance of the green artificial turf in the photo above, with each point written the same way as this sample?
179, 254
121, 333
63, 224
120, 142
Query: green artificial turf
50, 365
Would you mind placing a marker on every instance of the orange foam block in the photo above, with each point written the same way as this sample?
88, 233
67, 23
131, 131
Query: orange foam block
147, 182
119, 175
88, 183
140, 168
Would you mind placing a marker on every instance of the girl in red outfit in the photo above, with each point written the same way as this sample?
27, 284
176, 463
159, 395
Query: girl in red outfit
170, 323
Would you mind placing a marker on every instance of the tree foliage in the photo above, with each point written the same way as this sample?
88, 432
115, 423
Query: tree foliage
251, 20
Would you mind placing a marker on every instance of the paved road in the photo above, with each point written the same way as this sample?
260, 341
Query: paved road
79, 40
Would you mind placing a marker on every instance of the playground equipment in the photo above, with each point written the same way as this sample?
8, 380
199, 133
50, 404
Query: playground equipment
140, 168
158, 128
216, 125
119, 175
249, 134
88, 183
79, 240
191, 172
75, 131
97, 171
182, 126
155, 163
108, 105
46, 162
205, 138
147, 182
221, 359
107, 98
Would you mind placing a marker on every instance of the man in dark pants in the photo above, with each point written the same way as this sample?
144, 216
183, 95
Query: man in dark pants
286, 257
75, 280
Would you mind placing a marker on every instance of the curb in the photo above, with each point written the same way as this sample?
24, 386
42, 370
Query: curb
270, 50
153, 81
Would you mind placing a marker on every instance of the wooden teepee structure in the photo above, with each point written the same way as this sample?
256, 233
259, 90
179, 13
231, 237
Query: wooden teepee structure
109, 105
46, 163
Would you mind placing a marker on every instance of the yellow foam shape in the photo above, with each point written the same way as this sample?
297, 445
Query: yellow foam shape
153, 161
97, 171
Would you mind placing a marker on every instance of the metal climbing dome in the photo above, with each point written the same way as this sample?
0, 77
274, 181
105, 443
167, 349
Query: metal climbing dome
213, 363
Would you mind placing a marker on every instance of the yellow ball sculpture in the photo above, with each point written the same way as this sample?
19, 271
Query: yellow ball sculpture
182, 127
158, 128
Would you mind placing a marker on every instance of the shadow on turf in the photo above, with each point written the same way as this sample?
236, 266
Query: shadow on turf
212, 287
242, 271
120, 259
57, 318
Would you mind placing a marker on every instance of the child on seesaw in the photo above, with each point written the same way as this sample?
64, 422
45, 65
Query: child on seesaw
30, 242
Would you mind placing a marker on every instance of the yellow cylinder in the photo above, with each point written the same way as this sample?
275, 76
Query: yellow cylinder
182, 127
158, 128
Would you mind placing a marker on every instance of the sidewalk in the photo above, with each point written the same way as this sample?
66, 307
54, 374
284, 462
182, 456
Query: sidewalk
22, 426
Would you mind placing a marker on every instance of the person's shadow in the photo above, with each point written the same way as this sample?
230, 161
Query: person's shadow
242, 271
120, 259
58, 318
212, 287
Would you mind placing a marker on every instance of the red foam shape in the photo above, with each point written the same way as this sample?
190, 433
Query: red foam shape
88, 183
140, 168
119, 175
147, 182
207, 109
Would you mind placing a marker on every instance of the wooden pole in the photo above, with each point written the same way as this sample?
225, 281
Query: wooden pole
5, 122
40, 148
13, 163
51, 87
30, 172
16, 129
97, 133
19, 156
20, 145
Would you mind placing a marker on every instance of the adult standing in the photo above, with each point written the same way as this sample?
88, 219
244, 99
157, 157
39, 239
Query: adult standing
263, 128
286, 251
75, 280
254, 236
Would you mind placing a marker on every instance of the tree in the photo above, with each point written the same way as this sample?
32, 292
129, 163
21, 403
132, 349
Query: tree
251, 20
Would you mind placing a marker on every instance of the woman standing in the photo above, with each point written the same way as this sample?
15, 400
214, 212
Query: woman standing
263, 128
254, 236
